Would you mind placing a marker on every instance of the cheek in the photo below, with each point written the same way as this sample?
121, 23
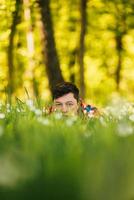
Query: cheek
57, 108
75, 107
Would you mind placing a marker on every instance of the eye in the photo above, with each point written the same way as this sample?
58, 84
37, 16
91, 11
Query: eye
58, 105
69, 104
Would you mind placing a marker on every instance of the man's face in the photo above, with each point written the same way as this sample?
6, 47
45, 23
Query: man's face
67, 104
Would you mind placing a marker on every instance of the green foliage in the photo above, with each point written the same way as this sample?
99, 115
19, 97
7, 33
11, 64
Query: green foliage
56, 157
105, 21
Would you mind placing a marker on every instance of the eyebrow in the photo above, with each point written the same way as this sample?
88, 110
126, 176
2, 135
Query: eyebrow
57, 102
69, 102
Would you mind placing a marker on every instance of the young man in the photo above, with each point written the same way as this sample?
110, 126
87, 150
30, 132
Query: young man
66, 100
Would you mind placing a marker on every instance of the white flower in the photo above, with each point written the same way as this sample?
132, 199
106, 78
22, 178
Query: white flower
8, 105
71, 119
69, 122
18, 110
10, 174
91, 114
125, 129
87, 134
44, 121
131, 117
38, 112
102, 121
58, 115
29, 103
2, 115
118, 108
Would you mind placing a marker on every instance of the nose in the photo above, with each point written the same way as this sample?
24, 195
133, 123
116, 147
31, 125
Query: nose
64, 108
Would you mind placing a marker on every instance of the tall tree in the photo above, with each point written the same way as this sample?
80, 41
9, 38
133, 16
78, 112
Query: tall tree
30, 47
71, 64
120, 31
50, 53
83, 6
122, 11
10, 53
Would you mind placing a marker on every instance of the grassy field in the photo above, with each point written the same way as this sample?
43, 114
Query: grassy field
66, 158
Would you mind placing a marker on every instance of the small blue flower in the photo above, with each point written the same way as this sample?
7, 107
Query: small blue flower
88, 108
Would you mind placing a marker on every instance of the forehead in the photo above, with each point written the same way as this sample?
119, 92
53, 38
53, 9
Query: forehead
65, 98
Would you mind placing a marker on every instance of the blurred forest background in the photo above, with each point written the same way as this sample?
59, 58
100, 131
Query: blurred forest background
87, 42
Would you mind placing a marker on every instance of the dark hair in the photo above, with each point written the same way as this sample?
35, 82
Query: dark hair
64, 88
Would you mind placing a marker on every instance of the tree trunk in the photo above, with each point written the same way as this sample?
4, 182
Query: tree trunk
71, 65
50, 54
10, 53
119, 47
83, 6
30, 71
121, 30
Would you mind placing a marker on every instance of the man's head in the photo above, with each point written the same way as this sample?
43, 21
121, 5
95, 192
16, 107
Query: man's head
66, 98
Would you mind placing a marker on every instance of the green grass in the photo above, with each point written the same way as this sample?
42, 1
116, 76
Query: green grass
55, 157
